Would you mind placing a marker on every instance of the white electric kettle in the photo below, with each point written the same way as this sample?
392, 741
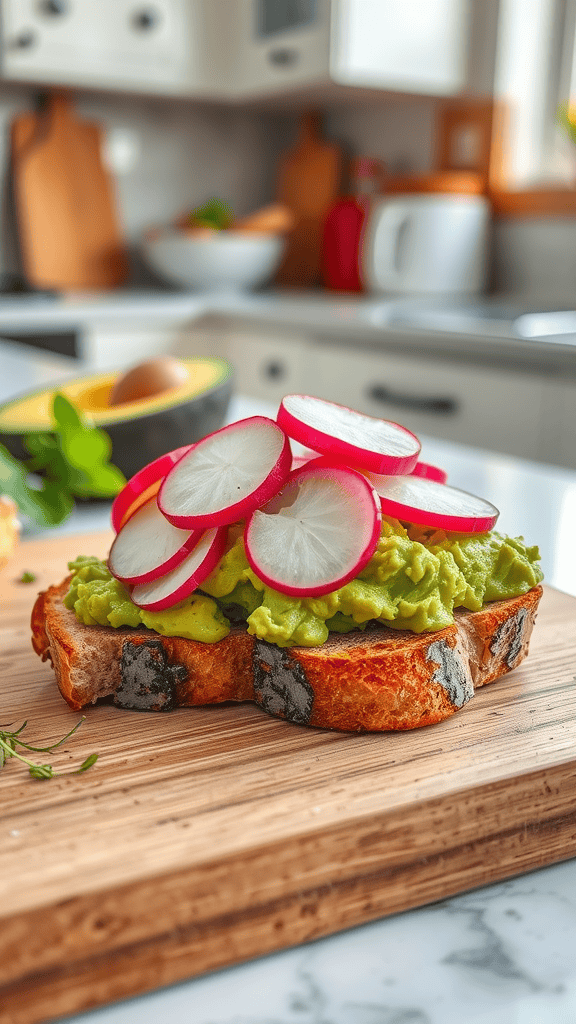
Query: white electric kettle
422, 244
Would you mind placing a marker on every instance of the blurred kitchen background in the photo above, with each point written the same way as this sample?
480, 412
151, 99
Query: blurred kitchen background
427, 269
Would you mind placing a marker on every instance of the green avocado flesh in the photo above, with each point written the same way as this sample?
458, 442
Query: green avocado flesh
414, 580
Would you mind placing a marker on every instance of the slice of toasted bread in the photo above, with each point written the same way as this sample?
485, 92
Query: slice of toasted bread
373, 680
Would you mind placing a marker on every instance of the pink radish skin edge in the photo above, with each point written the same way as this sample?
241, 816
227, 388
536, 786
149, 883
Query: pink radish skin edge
361, 562
430, 472
420, 517
241, 509
144, 478
171, 563
212, 558
343, 452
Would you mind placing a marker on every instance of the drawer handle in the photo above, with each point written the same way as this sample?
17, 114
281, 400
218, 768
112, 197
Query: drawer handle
416, 403
283, 58
274, 370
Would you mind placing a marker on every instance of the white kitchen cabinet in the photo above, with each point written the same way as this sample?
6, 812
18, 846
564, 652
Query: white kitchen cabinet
267, 365
516, 412
561, 419
234, 50
432, 47
488, 408
148, 45
109, 346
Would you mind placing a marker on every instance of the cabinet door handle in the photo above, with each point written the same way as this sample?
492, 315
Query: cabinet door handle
284, 57
417, 403
146, 19
53, 8
24, 40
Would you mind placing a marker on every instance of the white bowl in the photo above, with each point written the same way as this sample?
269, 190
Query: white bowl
227, 260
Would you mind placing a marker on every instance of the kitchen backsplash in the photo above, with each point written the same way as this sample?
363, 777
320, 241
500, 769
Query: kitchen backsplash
174, 153
171, 154
536, 258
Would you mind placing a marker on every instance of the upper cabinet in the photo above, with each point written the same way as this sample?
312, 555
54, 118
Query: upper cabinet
242, 49
416, 46
140, 45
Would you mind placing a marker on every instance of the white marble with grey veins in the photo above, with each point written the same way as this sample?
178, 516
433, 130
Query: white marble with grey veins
505, 954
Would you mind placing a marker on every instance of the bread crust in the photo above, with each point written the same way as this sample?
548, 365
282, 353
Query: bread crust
370, 681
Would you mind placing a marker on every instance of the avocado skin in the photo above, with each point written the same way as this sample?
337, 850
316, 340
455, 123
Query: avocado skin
136, 442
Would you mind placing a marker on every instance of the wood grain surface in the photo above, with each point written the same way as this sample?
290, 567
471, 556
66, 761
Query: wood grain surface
64, 199
207, 836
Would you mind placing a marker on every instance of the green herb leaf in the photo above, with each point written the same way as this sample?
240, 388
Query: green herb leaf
46, 505
87, 764
74, 462
216, 213
41, 771
27, 577
66, 414
86, 451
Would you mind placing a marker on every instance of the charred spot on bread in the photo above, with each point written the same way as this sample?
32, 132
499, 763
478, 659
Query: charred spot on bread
148, 681
280, 683
509, 638
453, 672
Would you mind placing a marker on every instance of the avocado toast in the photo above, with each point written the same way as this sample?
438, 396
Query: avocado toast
301, 591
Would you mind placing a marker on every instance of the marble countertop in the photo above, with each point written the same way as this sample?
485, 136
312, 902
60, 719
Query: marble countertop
372, 320
504, 953
500, 955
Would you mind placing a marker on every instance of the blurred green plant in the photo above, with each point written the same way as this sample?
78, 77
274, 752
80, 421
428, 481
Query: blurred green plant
72, 461
566, 119
215, 213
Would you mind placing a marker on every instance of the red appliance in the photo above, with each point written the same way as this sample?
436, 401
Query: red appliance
343, 229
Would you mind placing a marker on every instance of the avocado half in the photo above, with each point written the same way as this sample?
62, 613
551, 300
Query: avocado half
141, 430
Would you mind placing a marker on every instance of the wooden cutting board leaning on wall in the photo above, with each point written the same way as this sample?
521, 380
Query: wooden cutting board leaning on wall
308, 183
64, 201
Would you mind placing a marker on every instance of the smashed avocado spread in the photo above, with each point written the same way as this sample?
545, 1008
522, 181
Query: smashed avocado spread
415, 579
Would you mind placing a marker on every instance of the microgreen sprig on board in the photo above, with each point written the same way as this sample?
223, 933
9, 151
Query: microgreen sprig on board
9, 741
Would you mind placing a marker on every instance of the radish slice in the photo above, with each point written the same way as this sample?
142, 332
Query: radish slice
143, 486
227, 474
303, 460
349, 436
429, 472
178, 584
148, 546
429, 503
317, 533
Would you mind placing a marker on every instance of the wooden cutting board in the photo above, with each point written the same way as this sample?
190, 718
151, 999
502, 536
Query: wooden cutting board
308, 184
65, 209
204, 837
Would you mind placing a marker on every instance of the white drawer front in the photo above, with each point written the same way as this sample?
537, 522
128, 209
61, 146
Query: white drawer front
494, 409
266, 367
564, 414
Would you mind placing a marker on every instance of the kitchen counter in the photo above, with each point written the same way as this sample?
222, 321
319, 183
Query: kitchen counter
498, 954
479, 330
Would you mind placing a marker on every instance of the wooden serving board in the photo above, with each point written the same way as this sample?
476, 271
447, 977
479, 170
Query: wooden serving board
204, 837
